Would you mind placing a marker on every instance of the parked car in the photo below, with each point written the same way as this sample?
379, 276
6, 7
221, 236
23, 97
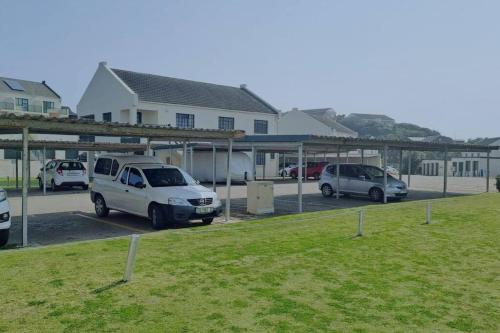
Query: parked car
314, 170
358, 179
284, 172
144, 186
64, 173
4, 218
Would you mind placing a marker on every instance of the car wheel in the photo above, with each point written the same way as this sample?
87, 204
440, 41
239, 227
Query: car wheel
207, 220
326, 190
316, 176
4, 237
53, 186
100, 206
376, 194
157, 217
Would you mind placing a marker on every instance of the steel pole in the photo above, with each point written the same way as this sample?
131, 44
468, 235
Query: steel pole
214, 170
184, 156
228, 179
409, 168
445, 173
385, 174
337, 188
299, 178
401, 164
44, 174
488, 172
25, 176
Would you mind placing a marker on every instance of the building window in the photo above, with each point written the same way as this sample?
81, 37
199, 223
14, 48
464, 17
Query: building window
260, 158
226, 123
12, 154
184, 120
22, 104
47, 106
260, 126
130, 139
71, 154
86, 138
139, 117
88, 117
106, 117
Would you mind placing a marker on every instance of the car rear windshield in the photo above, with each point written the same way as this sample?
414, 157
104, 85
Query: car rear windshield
373, 172
71, 166
164, 177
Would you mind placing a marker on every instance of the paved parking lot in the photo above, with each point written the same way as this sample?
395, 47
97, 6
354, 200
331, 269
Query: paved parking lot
66, 216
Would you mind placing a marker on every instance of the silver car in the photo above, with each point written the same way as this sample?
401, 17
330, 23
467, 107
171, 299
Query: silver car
358, 179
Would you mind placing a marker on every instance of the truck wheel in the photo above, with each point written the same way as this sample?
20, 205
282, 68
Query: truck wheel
157, 217
376, 194
4, 237
100, 206
207, 220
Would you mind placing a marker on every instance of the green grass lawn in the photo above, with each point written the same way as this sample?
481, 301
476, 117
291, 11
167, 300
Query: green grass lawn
10, 183
298, 273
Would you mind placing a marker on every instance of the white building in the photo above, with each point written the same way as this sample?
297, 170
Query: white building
313, 122
118, 95
35, 98
468, 165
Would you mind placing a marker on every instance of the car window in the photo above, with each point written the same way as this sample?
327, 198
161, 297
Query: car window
124, 177
68, 165
331, 169
373, 172
134, 177
351, 171
103, 166
114, 167
164, 177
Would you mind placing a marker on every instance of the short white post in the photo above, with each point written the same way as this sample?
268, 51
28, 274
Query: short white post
361, 221
132, 250
428, 213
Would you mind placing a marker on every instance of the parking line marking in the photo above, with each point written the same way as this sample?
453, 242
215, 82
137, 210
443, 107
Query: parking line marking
111, 223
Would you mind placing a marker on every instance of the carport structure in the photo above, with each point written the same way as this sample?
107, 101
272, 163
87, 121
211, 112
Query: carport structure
302, 145
27, 124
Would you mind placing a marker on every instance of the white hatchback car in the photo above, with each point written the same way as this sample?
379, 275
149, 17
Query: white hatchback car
4, 218
144, 186
64, 173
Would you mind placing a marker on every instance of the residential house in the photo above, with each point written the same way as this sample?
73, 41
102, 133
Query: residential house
35, 98
125, 96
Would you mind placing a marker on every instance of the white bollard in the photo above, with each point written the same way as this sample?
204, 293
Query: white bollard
132, 249
361, 221
428, 213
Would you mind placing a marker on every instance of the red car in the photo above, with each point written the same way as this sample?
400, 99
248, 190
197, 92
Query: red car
314, 170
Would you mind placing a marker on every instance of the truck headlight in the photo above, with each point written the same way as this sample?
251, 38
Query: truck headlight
3, 195
4, 216
178, 202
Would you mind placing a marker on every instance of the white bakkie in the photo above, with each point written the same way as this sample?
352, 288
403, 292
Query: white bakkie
144, 186
4, 217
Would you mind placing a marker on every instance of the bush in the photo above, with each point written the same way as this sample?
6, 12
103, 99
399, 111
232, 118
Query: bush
498, 183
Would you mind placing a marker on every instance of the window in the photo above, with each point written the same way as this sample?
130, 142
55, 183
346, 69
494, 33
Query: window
260, 126
184, 120
260, 158
47, 106
226, 123
114, 167
71, 166
130, 139
106, 117
134, 177
139, 117
165, 177
124, 177
86, 138
103, 166
71, 154
89, 117
332, 169
22, 104
11, 154
272, 156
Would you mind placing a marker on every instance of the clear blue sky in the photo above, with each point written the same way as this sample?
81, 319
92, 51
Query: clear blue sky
433, 63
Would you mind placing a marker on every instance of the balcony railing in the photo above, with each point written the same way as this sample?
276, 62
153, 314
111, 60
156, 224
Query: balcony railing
31, 108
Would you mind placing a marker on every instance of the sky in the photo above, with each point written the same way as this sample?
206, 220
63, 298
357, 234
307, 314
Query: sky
432, 63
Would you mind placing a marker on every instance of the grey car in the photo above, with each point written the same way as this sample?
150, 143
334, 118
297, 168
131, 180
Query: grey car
359, 179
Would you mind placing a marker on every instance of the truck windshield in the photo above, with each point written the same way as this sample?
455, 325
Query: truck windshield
164, 177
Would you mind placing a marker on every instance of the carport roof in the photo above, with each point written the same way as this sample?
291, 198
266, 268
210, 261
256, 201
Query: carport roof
330, 143
84, 146
11, 123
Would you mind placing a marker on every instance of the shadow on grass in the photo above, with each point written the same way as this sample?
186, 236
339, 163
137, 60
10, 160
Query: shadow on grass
108, 287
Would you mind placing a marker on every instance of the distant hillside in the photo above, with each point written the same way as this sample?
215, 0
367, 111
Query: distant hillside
381, 128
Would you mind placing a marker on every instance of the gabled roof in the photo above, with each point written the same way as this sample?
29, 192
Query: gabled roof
163, 89
488, 141
29, 88
327, 116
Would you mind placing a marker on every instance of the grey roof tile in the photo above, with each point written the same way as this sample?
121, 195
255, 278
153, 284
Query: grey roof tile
30, 88
163, 89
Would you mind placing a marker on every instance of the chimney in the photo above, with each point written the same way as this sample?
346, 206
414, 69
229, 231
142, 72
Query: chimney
243, 86
103, 63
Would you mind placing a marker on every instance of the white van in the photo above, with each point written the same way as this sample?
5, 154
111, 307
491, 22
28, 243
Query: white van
4, 218
144, 186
